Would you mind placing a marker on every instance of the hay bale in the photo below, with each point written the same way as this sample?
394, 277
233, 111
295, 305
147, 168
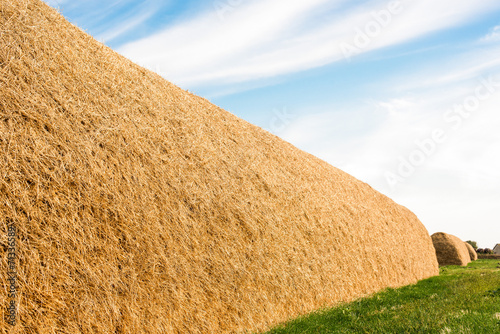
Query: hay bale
472, 251
141, 208
450, 250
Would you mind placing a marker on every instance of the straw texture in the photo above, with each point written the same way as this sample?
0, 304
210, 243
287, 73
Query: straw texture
141, 208
472, 252
450, 250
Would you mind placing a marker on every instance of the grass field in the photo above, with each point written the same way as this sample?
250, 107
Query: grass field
459, 300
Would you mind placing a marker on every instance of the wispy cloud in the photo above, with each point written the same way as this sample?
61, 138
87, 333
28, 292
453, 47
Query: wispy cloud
130, 21
237, 48
109, 20
261, 39
493, 36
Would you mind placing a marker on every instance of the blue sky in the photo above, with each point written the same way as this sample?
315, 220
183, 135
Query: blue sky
403, 95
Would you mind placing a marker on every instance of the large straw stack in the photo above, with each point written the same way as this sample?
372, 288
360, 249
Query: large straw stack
472, 252
450, 250
141, 208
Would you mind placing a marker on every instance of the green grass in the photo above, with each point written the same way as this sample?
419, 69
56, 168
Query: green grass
459, 300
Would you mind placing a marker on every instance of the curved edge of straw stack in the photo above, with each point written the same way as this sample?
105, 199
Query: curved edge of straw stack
472, 252
450, 250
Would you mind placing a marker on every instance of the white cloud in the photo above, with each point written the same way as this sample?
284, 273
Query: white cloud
450, 73
128, 23
208, 48
261, 39
493, 36
110, 19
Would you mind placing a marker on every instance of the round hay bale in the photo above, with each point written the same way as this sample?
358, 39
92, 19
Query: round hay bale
450, 250
472, 252
142, 208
